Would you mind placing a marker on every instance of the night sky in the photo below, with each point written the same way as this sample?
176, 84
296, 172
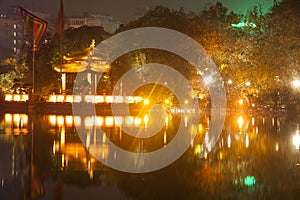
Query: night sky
124, 10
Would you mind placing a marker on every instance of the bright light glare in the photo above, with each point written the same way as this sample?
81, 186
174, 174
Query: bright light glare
296, 83
146, 101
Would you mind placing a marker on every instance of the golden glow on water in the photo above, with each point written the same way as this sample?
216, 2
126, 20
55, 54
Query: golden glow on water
119, 121
247, 141
109, 121
69, 120
24, 118
185, 121
129, 120
228, 141
99, 121
52, 120
165, 137
167, 121
60, 120
228, 156
62, 137
200, 128
226, 162
88, 139
197, 149
16, 119
77, 120
240, 122
104, 138
146, 120
296, 140
192, 143
89, 121
137, 121
8, 118
14, 124
63, 160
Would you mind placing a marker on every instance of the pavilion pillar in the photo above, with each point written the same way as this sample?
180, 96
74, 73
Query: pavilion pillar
95, 84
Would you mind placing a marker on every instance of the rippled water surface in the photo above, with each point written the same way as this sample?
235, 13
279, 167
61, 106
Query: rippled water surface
256, 157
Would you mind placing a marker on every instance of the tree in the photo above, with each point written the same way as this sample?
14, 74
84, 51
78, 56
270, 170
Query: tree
13, 71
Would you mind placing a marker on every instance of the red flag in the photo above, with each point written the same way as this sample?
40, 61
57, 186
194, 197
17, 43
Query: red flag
35, 26
60, 23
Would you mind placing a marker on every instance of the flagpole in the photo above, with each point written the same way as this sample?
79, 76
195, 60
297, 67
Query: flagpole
61, 29
60, 69
33, 54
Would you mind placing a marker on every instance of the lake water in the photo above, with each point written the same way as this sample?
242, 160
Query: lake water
43, 156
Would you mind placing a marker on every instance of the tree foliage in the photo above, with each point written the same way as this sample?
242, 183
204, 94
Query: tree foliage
12, 71
265, 51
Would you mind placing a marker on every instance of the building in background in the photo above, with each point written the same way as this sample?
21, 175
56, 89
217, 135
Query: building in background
94, 19
13, 34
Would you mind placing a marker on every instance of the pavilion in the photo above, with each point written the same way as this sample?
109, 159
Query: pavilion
81, 62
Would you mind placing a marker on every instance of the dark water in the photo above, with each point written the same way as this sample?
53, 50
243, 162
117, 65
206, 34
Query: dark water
43, 157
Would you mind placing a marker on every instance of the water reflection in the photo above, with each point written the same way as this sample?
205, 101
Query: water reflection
256, 157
